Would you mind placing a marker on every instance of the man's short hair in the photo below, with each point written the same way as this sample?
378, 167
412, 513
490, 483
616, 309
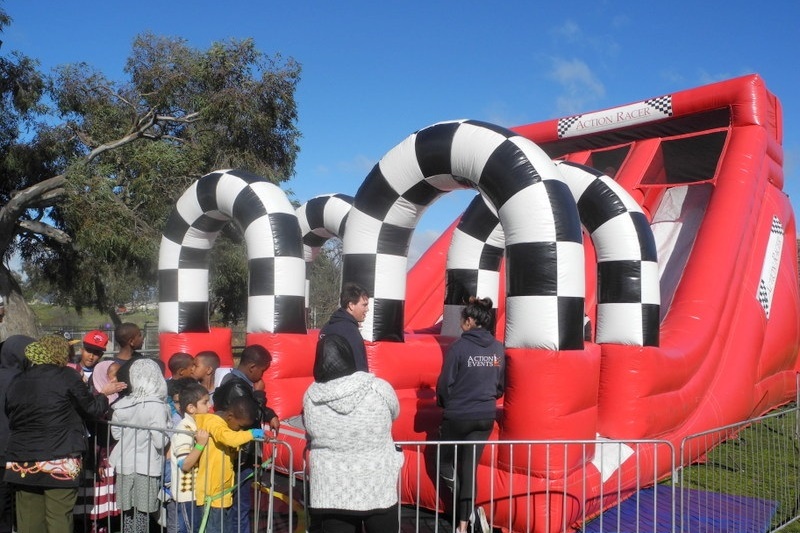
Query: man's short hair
351, 294
125, 332
210, 358
243, 408
179, 361
255, 354
190, 394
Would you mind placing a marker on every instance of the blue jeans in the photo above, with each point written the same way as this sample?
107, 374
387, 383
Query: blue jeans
238, 519
189, 516
216, 518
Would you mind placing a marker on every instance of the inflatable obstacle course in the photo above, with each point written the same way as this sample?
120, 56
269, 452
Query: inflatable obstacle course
657, 230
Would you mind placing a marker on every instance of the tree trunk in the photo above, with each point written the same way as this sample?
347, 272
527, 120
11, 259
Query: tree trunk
19, 318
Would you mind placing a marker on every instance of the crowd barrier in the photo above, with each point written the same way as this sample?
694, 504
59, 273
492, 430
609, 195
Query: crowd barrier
749, 481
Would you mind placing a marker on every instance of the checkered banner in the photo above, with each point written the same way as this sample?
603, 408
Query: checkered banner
617, 117
770, 266
274, 252
545, 288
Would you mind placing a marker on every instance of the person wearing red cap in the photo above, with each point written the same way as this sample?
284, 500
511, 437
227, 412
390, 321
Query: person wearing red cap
94, 346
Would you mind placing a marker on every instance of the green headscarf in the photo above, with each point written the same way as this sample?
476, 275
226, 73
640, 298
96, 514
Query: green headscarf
49, 350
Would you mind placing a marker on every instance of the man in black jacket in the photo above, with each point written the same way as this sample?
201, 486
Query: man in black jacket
345, 321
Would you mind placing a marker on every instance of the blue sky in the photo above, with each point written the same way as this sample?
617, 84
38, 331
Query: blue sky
376, 71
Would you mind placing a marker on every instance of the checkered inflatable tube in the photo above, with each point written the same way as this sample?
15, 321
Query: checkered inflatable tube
628, 290
473, 262
321, 218
544, 251
274, 252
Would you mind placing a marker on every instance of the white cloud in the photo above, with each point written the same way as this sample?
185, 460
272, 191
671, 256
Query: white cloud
420, 242
359, 165
581, 89
569, 30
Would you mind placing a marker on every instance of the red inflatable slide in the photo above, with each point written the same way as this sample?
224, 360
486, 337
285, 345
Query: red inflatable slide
704, 166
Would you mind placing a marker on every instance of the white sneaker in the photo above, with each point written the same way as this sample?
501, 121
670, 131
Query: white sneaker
482, 523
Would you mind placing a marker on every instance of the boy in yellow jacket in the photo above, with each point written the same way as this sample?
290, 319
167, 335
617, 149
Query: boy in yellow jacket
216, 471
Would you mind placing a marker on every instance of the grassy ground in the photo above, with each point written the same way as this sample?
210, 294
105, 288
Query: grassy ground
761, 461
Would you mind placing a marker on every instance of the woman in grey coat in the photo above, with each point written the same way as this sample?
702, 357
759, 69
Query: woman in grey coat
353, 462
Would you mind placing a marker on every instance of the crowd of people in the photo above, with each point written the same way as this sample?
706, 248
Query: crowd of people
180, 450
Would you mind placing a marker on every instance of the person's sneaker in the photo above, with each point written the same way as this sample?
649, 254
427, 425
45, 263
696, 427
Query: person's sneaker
481, 524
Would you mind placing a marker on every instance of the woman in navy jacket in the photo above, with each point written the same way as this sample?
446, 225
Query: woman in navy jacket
472, 379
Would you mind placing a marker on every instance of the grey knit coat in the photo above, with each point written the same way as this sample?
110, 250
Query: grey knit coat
352, 460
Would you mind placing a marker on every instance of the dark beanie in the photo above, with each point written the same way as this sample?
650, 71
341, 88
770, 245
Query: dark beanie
334, 358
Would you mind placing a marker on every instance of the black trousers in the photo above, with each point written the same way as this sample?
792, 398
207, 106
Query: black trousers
379, 521
459, 463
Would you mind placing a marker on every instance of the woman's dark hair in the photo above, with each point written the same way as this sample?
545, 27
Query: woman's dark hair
334, 358
480, 310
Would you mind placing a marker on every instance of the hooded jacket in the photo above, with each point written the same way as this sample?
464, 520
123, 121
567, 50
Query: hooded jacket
344, 324
473, 377
353, 463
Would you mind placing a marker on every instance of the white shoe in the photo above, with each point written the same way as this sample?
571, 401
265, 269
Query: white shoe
483, 524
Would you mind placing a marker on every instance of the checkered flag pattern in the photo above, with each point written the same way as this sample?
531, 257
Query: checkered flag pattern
564, 124
769, 269
321, 218
662, 104
473, 263
275, 263
628, 293
545, 286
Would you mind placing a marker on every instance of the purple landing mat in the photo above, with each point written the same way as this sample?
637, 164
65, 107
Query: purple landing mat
650, 510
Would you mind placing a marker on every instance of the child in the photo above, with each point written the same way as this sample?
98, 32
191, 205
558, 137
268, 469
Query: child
139, 455
94, 346
180, 365
215, 474
192, 400
205, 368
130, 339
246, 380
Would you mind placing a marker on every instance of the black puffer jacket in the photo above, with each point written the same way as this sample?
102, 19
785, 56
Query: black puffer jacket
342, 323
46, 407
12, 362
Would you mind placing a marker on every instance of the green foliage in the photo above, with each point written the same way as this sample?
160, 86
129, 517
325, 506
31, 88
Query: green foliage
102, 167
326, 283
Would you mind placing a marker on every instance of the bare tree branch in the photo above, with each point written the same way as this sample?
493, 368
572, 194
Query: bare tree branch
46, 230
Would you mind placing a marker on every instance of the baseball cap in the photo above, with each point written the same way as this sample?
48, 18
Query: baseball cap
96, 339
67, 335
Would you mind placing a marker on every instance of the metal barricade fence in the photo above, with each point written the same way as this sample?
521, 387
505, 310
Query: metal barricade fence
756, 462
745, 476
137, 493
493, 499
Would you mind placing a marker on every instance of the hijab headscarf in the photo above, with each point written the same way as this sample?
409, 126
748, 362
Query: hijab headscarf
100, 379
334, 358
49, 350
147, 381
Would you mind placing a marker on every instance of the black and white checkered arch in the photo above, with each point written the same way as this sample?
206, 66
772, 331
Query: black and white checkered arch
321, 218
473, 262
628, 293
545, 288
275, 261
